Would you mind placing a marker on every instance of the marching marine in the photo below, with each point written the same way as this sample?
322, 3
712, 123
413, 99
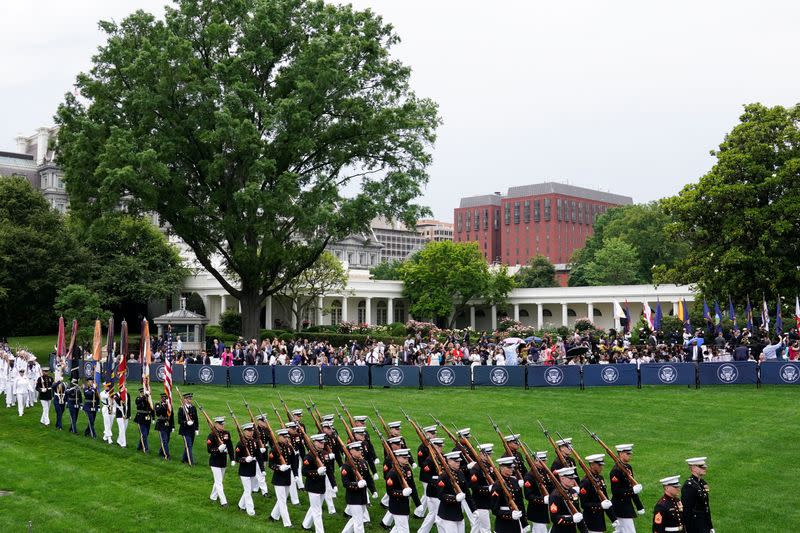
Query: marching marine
694, 495
668, 512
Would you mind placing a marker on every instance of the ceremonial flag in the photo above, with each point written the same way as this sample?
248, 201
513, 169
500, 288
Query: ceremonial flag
687, 322
72, 338
627, 317
706, 312
778, 321
748, 315
97, 342
168, 371
680, 310
732, 313
618, 311
146, 356
659, 317
110, 352
123, 362
764, 315
717, 316
797, 311
60, 344
648, 315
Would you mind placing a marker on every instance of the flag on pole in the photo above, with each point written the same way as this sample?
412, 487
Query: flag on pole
97, 342
748, 314
619, 312
627, 317
168, 371
732, 313
797, 312
61, 343
706, 312
680, 310
778, 321
109, 371
764, 315
648, 315
123, 362
72, 337
687, 322
717, 317
659, 317
146, 357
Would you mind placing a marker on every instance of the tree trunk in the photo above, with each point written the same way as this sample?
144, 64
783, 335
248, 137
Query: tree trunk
251, 313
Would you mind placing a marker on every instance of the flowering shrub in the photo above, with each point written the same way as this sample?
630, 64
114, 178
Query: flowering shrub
425, 328
584, 324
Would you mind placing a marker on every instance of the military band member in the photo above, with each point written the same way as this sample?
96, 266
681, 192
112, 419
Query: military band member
315, 483
143, 418
59, 402
399, 494
44, 386
506, 519
450, 513
694, 496
430, 471
624, 497
564, 521
245, 454
188, 427
107, 410
595, 509
91, 402
165, 424
122, 412
262, 457
281, 476
538, 496
356, 482
74, 402
668, 512
21, 390
220, 448
565, 447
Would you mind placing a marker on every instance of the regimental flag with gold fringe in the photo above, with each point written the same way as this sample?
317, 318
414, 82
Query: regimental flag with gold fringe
122, 369
147, 358
97, 343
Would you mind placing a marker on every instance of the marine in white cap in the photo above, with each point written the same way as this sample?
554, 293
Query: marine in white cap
281, 476
401, 488
508, 517
694, 495
219, 447
561, 510
245, 455
451, 496
625, 495
596, 507
316, 476
668, 512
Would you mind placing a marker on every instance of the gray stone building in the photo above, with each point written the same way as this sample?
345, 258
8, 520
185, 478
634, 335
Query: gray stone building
34, 159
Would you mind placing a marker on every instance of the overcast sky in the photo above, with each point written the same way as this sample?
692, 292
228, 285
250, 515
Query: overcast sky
628, 96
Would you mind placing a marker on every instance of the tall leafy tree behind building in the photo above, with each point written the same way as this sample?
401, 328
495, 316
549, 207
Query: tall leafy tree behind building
241, 123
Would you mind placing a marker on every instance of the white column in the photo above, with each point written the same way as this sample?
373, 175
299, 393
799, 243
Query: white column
617, 323
368, 316
540, 315
293, 318
472, 316
223, 304
389, 310
564, 315
675, 309
319, 311
206, 302
516, 312
344, 309
590, 311
268, 313
494, 317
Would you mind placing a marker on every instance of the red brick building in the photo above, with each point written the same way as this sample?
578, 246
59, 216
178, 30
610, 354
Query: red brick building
550, 219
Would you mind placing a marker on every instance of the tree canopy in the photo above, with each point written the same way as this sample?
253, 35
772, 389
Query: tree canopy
241, 124
741, 220
387, 270
539, 272
325, 276
613, 264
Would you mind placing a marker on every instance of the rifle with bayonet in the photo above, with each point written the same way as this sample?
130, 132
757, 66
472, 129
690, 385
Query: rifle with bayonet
347, 412
350, 435
444, 467
531, 460
383, 423
387, 450
506, 447
556, 447
235, 421
261, 445
273, 438
285, 408
635, 485
278, 415
600, 494
317, 422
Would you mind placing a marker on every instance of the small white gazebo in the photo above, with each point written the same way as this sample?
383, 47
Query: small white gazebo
190, 326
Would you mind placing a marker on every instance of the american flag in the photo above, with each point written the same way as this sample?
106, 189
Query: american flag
168, 371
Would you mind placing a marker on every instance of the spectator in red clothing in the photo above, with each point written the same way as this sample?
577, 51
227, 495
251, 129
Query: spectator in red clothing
227, 357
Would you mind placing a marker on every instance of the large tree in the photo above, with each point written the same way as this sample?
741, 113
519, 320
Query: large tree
325, 276
613, 264
242, 124
742, 219
38, 255
538, 272
442, 278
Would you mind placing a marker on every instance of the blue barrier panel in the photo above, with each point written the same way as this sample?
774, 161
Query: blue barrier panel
780, 373
602, 375
355, 376
307, 376
498, 376
669, 374
740, 372
250, 375
133, 371
157, 373
395, 376
446, 376
554, 376
207, 375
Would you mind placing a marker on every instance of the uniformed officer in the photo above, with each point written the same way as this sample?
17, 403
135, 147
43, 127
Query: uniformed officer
595, 508
370, 455
219, 448
538, 496
91, 403
332, 457
262, 457
298, 451
188, 427
279, 458
565, 447
107, 410
356, 482
143, 418
44, 386
480, 487
624, 497
165, 424
315, 483
74, 402
431, 472
400, 492
122, 413
694, 495
507, 519
395, 443
21, 390
395, 428
451, 515
564, 521
245, 455
668, 512
59, 401
514, 446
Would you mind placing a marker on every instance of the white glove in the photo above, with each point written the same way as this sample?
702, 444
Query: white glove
711, 530
377, 461
521, 483
361, 483
222, 448
471, 465
190, 422
233, 463
546, 499
637, 488
577, 517
375, 476
615, 524
407, 491
605, 504
460, 497
262, 450
248, 459
414, 465
284, 468
196, 432
640, 511
374, 495
331, 457
321, 471
516, 515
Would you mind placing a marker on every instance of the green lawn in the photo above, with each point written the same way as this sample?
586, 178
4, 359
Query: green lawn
62, 482
41, 346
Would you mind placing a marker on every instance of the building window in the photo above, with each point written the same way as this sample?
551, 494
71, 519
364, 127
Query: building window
351, 258
477, 220
523, 313
507, 214
469, 221
526, 211
558, 209
399, 311
547, 312
362, 312
459, 226
572, 211
485, 219
571, 312
547, 209
516, 212
580, 213
336, 312
382, 313
536, 214
496, 219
